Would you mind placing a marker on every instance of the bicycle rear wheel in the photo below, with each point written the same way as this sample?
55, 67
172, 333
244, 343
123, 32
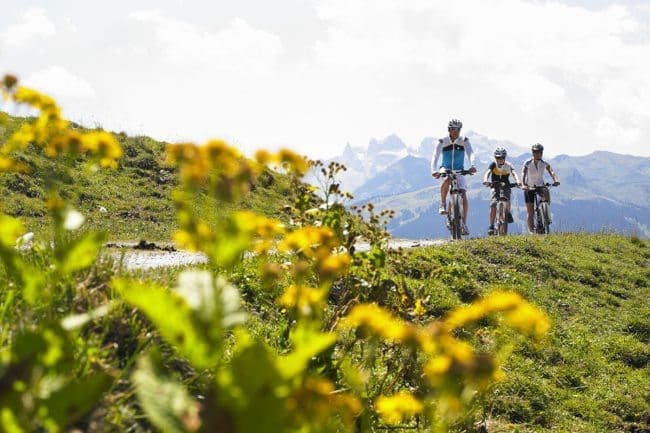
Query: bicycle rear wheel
456, 227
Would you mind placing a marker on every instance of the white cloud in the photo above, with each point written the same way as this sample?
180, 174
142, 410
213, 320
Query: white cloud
60, 83
34, 23
235, 47
541, 59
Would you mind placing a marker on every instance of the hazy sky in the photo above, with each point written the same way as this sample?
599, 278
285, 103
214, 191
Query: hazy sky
313, 75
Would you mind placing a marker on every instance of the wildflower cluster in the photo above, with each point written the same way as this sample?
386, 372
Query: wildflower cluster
454, 370
52, 132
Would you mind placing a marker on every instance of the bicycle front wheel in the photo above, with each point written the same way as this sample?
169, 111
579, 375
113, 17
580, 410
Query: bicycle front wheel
456, 227
502, 212
545, 220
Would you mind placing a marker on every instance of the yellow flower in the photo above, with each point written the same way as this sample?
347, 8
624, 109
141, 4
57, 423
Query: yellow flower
437, 366
527, 318
378, 321
305, 299
333, 265
419, 309
393, 410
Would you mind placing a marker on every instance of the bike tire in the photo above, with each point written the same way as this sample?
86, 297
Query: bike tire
456, 228
502, 227
545, 217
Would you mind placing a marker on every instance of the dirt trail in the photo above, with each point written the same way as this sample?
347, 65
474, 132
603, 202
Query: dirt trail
144, 255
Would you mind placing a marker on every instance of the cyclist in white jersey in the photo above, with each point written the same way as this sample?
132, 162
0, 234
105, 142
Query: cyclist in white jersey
533, 175
453, 150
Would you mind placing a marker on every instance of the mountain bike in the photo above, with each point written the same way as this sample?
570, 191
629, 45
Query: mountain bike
541, 209
454, 205
502, 215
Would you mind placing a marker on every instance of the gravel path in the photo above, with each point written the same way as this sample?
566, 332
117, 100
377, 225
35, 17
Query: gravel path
150, 256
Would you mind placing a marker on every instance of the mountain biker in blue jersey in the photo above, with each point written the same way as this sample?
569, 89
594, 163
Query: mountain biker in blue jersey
499, 171
532, 175
453, 150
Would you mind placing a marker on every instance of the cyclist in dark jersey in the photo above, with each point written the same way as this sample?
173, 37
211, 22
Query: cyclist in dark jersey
499, 171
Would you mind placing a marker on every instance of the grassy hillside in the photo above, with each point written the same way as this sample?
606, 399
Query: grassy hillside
136, 196
592, 374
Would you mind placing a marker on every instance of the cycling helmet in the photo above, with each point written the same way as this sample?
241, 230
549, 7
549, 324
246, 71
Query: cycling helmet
537, 147
455, 123
500, 152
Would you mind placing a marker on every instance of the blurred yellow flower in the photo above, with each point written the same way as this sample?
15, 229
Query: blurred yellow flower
303, 298
395, 409
377, 321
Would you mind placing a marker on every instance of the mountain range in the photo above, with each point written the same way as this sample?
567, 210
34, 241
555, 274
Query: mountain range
602, 191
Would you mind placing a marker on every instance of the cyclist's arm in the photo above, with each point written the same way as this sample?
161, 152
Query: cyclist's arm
486, 176
552, 173
436, 156
470, 153
514, 174
524, 174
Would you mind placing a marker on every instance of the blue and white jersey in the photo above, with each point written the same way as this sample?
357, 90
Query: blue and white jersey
453, 154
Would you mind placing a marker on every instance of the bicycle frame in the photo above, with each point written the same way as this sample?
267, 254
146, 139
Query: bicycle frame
501, 220
453, 205
541, 209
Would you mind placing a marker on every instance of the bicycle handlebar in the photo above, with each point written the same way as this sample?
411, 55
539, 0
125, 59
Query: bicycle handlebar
450, 172
546, 185
502, 184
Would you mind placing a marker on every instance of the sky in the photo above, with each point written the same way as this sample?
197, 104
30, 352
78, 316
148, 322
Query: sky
314, 75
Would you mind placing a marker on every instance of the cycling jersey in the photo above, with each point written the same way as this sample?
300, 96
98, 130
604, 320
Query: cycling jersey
501, 173
534, 173
453, 154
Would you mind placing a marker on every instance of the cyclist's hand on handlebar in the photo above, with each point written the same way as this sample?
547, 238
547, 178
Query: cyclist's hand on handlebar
487, 183
520, 185
472, 170
556, 183
436, 174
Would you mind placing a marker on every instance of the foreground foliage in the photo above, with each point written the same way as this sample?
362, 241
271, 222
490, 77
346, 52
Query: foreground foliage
287, 328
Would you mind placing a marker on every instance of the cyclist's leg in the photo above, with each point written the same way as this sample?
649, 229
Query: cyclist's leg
493, 205
444, 189
529, 200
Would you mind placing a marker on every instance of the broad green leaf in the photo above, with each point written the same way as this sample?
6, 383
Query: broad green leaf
9, 421
254, 390
73, 400
197, 288
30, 279
81, 253
215, 302
307, 344
230, 308
167, 404
174, 319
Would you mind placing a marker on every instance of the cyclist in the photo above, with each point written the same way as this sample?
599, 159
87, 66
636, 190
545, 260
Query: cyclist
453, 149
533, 175
499, 171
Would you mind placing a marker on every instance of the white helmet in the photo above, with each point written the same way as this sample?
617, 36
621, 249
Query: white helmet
455, 123
500, 152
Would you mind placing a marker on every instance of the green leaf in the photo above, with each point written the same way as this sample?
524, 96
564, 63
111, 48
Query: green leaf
174, 319
81, 253
253, 389
230, 308
73, 400
307, 344
167, 404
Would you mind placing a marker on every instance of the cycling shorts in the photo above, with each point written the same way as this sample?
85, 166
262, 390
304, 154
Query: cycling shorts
494, 196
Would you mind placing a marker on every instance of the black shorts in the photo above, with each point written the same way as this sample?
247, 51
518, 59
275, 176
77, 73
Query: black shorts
529, 196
